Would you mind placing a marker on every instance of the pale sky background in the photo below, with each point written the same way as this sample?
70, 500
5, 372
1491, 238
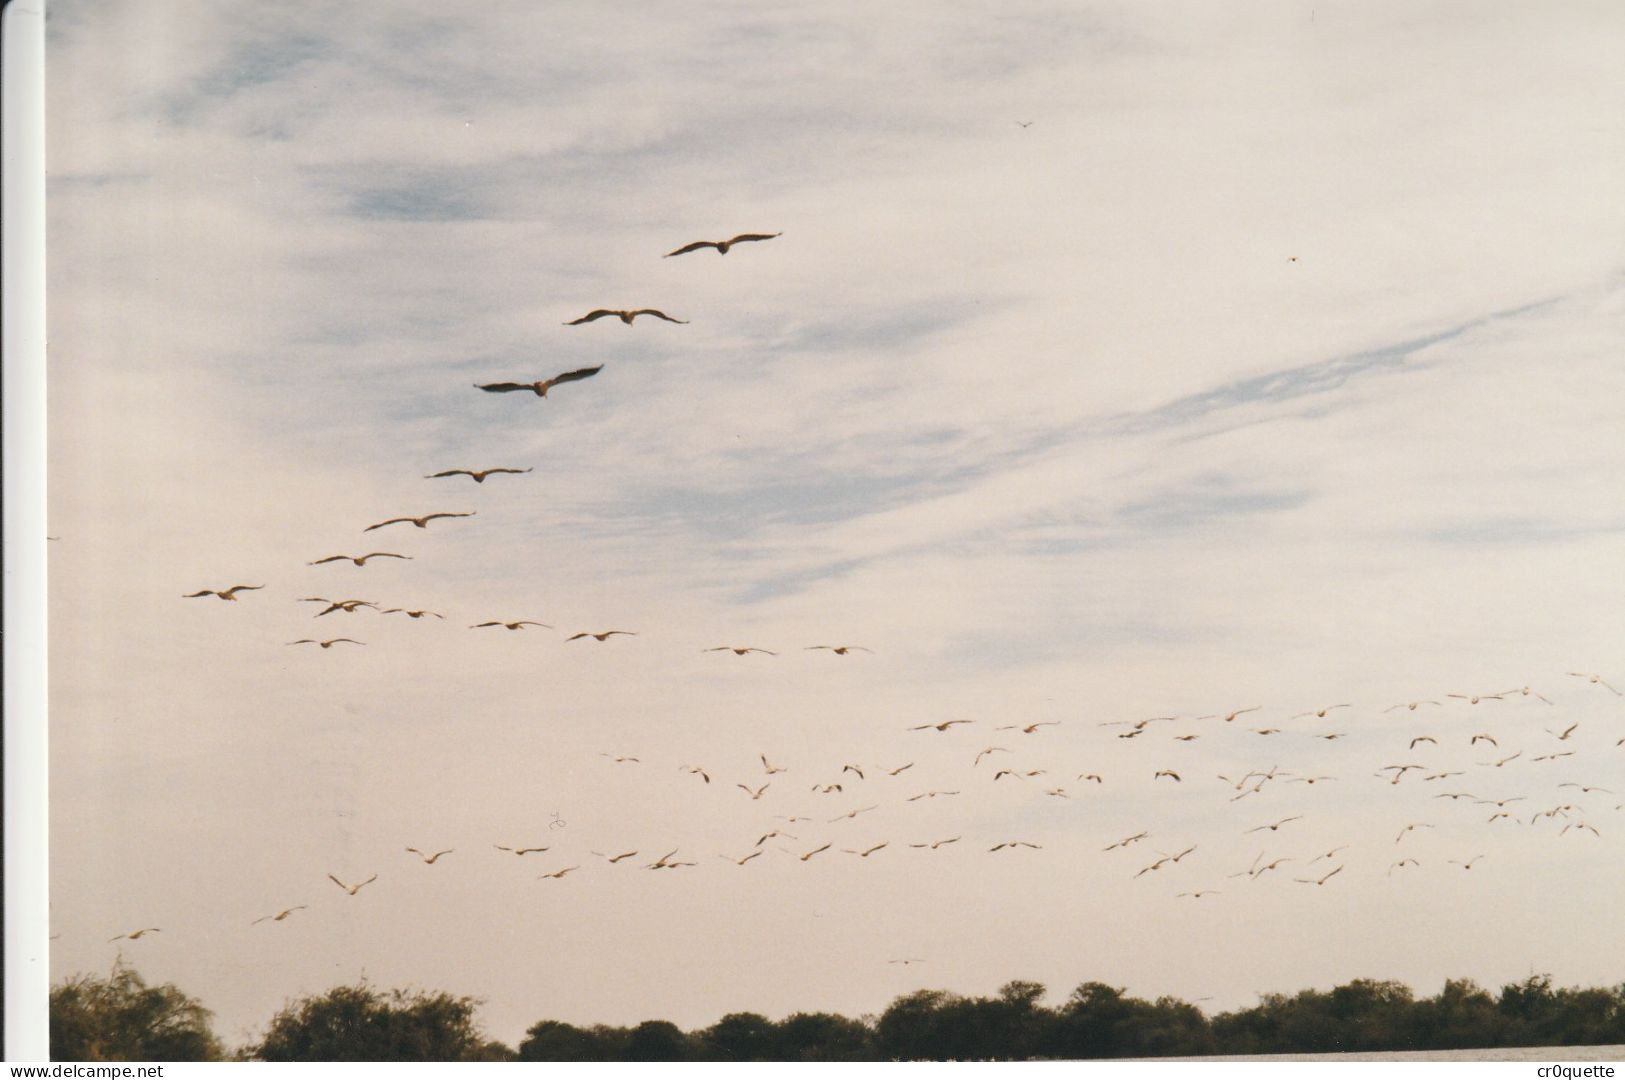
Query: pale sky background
1277, 362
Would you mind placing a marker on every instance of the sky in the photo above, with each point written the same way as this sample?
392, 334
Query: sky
1115, 361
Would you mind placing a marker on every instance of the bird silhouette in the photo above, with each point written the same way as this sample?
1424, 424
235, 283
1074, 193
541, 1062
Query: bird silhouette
555, 875
603, 635
328, 644
815, 851
990, 750
867, 852
625, 316
352, 889
411, 613
1321, 713
279, 916
429, 859
621, 759
739, 650
511, 625
1322, 880
1596, 680
420, 522
1013, 844
359, 560
1127, 841
933, 845
1168, 773
224, 594
1410, 705
900, 768
944, 726
520, 850
478, 475
740, 862
852, 814
757, 793
722, 247
840, 650
1029, 729
541, 386
771, 769
346, 606
135, 935
1276, 825
696, 771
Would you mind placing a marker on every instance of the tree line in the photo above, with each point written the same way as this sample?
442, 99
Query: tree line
121, 1018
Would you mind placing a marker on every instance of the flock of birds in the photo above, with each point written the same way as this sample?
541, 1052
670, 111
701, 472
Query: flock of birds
861, 809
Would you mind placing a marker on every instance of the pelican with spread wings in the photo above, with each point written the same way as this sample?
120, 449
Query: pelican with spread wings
625, 316
541, 386
722, 246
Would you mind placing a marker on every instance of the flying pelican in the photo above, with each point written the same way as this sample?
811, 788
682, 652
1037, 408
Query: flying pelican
224, 594
346, 606
1566, 732
756, 794
1198, 895
906, 960
519, 850
1167, 772
613, 859
696, 771
1423, 738
1402, 863
989, 750
1277, 825
620, 760
1526, 692
1329, 854
771, 769
1468, 865
478, 475
944, 726
604, 635
1154, 866
1499, 803
900, 768
852, 814
1059, 793
1127, 841
1270, 866
359, 560
1193, 738
1091, 776
1597, 680
135, 935
1584, 790
662, 864
852, 768
1454, 795
352, 889
928, 795
815, 851
511, 625
1230, 716
828, 789
768, 836
1503, 761
739, 650
1474, 699
1580, 825
1321, 713
936, 844
869, 852
279, 916
839, 650
555, 875
1266, 731
420, 522
430, 859
1410, 705
722, 246
1321, 881
328, 644
1311, 780
541, 386
1030, 728
625, 316
740, 862
1408, 828
1487, 738
1012, 844
411, 613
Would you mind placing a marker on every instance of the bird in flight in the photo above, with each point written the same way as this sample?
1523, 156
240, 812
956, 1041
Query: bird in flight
1321, 713
560, 873
900, 768
1474, 699
1526, 691
739, 650
1423, 738
1503, 761
224, 594
1198, 895
1401, 864
827, 789
906, 960
328, 644
865, 854
613, 859
429, 859
511, 625
1228, 717
346, 606
1566, 732
359, 560
621, 759
1468, 865
351, 889
1408, 828
840, 650
990, 750
1595, 679
1276, 825
722, 247
1487, 738
625, 316
519, 850
768, 836
1127, 841
852, 814
541, 386
1327, 877
1329, 854
1015, 844
928, 795
756, 794
662, 864
1029, 729
279, 916
478, 475
944, 726
1167, 772
420, 522
1410, 705
771, 768
604, 635
815, 851
135, 935
850, 768
411, 614
937, 843
696, 771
